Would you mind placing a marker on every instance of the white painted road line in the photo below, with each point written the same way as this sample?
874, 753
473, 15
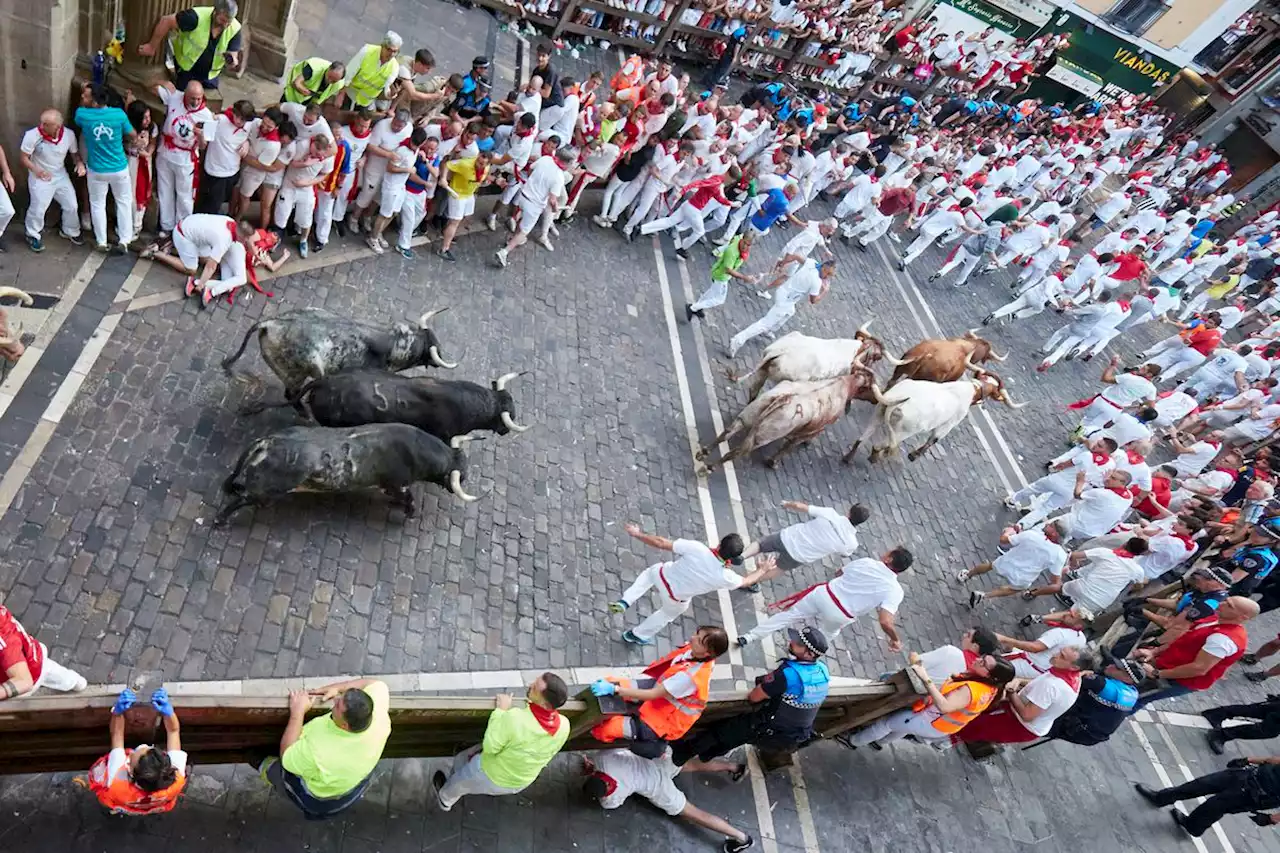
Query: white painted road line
1187, 776
1161, 773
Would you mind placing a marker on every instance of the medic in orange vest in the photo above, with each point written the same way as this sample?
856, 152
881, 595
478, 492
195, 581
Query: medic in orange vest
673, 704
145, 780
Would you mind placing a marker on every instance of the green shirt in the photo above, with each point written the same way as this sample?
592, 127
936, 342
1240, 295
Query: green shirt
730, 259
332, 761
517, 747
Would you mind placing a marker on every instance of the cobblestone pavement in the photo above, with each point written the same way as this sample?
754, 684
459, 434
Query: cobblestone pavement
110, 558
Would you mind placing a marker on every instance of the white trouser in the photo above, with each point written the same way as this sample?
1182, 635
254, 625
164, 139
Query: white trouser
175, 185
714, 296
1097, 340
298, 202
1206, 381
648, 195
850, 205
1175, 360
1026, 305
961, 259
1167, 254
122, 191
1194, 305
411, 213
739, 216
899, 725
685, 218
468, 777
6, 209
617, 194
1165, 346
815, 607
1098, 412
229, 278
390, 198
871, 220
719, 216
1033, 272
332, 207
375, 169
57, 189
919, 244
778, 315
1046, 495
668, 611
55, 676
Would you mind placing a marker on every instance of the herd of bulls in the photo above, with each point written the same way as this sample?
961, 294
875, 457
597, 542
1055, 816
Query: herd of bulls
372, 428
375, 428
818, 379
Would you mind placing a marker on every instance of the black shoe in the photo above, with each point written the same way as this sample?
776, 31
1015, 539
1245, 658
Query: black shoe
341, 227
986, 321
844, 238
1212, 718
731, 846
742, 641
933, 278
1217, 740
446, 254
1249, 659
902, 267
689, 313
755, 587
1256, 677
1181, 820
437, 783
682, 253
1150, 795
317, 246
862, 247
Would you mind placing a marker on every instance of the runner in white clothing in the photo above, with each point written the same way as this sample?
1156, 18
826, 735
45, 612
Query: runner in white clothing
540, 191
697, 569
1031, 658
200, 242
1029, 554
44, 153
862, 586
811, 280
182, 137
800, 247
827, 533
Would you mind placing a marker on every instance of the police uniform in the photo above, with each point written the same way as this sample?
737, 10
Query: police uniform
795, 692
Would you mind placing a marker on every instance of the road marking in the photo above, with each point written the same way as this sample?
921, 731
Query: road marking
981, 414
759, 790
1161, 773
1187, 775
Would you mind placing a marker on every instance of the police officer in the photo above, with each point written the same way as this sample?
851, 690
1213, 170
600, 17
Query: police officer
1247, 785
1106, 700
788, 700
1252, 561
1205, 589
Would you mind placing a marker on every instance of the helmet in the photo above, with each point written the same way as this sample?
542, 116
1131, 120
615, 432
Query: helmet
1269, 527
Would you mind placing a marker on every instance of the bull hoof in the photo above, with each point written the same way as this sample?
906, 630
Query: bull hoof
771, 463
701, 454
913, 455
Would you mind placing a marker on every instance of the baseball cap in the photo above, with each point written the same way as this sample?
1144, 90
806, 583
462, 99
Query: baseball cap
809, 637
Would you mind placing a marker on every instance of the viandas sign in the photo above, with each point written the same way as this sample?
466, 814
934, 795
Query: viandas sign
1118, 63
993, 16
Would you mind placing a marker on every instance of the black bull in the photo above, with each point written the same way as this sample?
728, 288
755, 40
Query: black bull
443, 407
388, 457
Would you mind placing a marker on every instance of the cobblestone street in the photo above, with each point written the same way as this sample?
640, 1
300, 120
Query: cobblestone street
110, 556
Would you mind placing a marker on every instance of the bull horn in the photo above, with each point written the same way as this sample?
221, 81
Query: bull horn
991, 351
455, 486
971, 334
504, 379
862, 330
876, 392
459, 440
434, 354
511, 424
24, 298
1004, 398
898, 362
426, 318
968, 363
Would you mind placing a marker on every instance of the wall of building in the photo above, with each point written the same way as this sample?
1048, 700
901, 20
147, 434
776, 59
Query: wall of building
1182, 19
38, 46
1097, 7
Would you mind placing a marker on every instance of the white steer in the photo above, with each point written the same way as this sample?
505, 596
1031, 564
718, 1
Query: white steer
801, 358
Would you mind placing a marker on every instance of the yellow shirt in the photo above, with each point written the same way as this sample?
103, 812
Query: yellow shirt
462, 178
1220, 288
332, 761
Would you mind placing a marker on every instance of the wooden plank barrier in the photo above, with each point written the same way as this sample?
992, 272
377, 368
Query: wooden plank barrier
52, 733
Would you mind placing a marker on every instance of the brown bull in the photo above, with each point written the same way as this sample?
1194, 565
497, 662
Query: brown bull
791, 412
944, 359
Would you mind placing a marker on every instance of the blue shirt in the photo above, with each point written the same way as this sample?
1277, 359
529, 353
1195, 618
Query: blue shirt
774, 208
102, 132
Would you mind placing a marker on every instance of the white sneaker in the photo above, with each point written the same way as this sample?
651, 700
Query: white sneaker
81, 684
962, 575
500, 257
492, 222
353, 225
545, 243
555, 232
374, 244
384, 244
601, 221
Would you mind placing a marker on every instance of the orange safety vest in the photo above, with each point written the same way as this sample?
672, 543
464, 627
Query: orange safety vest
124, 797
671, 718
980, 696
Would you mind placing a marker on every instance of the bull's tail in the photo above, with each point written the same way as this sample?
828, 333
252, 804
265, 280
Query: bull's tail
244, 344
296, 398
231, 485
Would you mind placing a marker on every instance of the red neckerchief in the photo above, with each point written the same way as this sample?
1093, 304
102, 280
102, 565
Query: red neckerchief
47, 138
406, 143
230, 113
1070, 676
351, 129
1134, 456
1230, 472
1212, 443
1122, 553
610, 785
548, 718
1121, 491
1053, 623
194, 109
1186, 540
525, 135
272, 135
480, 172
1099, 458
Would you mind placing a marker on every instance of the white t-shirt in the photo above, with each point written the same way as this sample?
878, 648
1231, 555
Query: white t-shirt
1139, 471
1032, 664
806, 282
1164, 552
1096, 512
1030, 553
679, 684
546, 181
210, 232
1052, 695
179, 128
1126, 428
652, 779
405, 157
118, 760
943, 662
696, 571
357, 143
669, 85
264, 150
50, 156
1174, 408
1103, 578
827, 532
222, 155
804, 242
1128, 389
1193, 461
1220, 645
384, 137
1112, 207
285, 157
867, 585
320, 127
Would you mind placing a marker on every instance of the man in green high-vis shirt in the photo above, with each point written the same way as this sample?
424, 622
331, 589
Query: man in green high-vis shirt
518, 743
729, 258
204, 39
314, 81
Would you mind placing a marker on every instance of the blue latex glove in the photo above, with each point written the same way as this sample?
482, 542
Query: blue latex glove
160, 701
124, 701
603, 688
